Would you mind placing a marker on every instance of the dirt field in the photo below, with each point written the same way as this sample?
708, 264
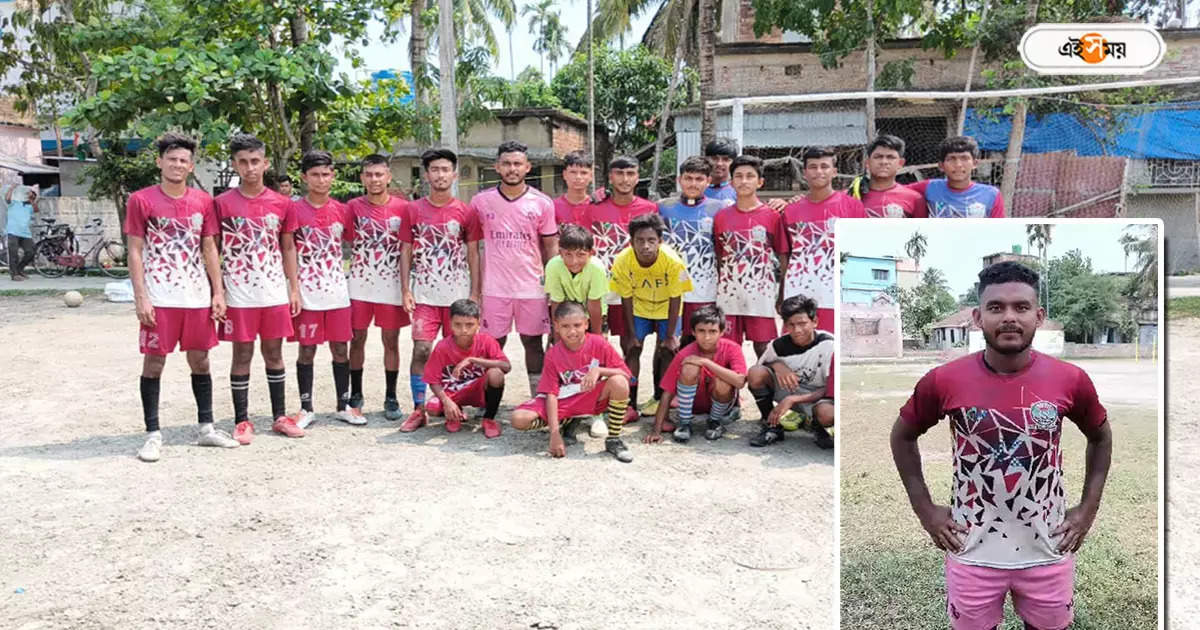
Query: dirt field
1183, 493
366, 527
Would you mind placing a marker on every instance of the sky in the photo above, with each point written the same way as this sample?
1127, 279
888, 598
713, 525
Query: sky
956, 247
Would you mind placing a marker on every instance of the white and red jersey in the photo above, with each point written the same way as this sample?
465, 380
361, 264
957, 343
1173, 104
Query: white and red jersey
172, 230
897, 202
747, 245
319, 236
446, 355
375, 266
512, 234
810, 230
609, 224
439, 238
251, 258
564, 369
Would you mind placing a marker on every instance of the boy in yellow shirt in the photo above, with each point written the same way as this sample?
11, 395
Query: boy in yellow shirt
574, 275
651, 280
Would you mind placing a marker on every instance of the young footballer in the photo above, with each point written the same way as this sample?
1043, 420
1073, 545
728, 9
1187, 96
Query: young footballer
574, 275
883, 196
957, 195
466, 369
573, 206
720, 153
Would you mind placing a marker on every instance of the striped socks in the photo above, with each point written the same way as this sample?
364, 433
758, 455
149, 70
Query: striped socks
720, 410
616, 416
687, 399
239, 385
537, 425
276, 381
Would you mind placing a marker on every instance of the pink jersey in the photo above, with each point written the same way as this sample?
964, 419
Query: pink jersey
375, 265
172, 258
609, 224
439, 239
512, 235
566, 212
1005, 431
439, 370
894, 203
564, 369
810, 229
319, 236
251, 258
727, 355
747, 245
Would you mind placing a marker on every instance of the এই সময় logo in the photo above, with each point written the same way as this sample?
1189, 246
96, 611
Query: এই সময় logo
1092, 48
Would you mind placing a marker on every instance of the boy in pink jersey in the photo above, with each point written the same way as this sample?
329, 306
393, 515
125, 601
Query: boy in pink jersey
375, 283
574, 205
751, 247
609, 222
884, 197
520, 236
177, 289
322, 226
810, 226
1008, 527
439, 265
466, 369
583, 376
259, 264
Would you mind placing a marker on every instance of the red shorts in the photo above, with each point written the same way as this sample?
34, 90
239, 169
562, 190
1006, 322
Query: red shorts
685, 320
191, 328
428, 320
244, 324
587, 403
616, 319
826, 321
757, 329
472, 395
386, 316
1043, 596
531, 315
313, 328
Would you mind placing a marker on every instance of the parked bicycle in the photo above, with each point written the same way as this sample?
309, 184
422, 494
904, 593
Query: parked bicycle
58, 252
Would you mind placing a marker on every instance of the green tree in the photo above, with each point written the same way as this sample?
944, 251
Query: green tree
1141, 242
925, 304
1082, 300
530, 90
916, 247
539, 15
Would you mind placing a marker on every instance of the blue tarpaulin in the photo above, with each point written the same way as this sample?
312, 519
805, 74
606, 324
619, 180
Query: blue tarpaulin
1161, 133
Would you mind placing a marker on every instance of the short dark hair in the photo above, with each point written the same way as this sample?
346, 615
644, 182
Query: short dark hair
887, 141
958, 144
246, 142
429, 156
511, 146
816, 153
1007, 271
571, 236
648, 221
283, 179
708, 314
374, 159
569, 308
465, 308
696, 164
171, 141
623, 161
315, 158
721, 146
798, 304
577, 158
747, 160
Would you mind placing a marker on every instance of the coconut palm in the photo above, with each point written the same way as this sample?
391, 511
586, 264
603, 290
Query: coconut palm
539, 14
1038, 235
915, 247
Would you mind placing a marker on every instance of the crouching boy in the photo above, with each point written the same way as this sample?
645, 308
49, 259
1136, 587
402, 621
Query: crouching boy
466, 369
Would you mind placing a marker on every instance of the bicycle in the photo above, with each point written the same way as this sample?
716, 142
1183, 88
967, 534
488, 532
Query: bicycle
58, 252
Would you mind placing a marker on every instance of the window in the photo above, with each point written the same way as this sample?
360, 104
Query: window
880, 274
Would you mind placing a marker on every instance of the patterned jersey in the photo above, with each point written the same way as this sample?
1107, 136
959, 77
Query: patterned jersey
747, 246
728, 354
973, 202
566, 212
439, 239
812, 364
512, 235
721, 192
690, 232
251, 259
609, 223
439, 370
319, 236
1004, 432
564, 369
810, 229
897, 202
172, 259
375, 265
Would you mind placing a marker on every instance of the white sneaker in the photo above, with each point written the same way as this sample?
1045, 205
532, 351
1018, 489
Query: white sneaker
350, 415
304, 418
213, 437
150, 451
599, 427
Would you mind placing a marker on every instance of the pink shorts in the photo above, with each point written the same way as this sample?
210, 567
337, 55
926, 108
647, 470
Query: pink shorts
472, 395
386, 316
685, 319
313, 328
532, 316
428, 320
244, 324
582, 404
191, 328
616, 319
757, 329
826, 321
1043, 596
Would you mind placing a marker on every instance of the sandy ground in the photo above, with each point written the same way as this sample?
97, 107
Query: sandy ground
1183, 493
366, 527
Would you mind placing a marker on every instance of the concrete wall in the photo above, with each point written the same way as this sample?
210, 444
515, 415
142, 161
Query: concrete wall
1179, 214
1108, 351
1045, 341
77, 211
886, 321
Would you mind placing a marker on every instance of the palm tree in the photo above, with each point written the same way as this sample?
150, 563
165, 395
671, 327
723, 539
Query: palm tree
1038, 235
554, 36
915, 247
1142, 243
676, 74
538, 15
418, 49
471, 24
446, 87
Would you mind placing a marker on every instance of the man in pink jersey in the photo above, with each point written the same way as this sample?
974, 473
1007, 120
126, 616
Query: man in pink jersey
375, 283
177, 289
884, 197
810, 227
751, 248
519, 236
1008, 527
322, 225
259, 265
573, 207
439, 265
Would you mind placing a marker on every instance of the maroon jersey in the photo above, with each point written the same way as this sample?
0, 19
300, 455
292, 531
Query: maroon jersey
439, 239
810, 230
894, 203
747, 245
439, 370
573, 213
609, 224
727, 355
172, 229
564, 369
319, 235
251, 258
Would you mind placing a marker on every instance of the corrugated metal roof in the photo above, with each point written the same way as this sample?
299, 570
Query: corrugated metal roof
788, 129
27, 168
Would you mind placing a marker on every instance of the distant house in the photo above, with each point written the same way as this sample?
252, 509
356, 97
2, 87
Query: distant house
865, 277
908, 273
1014, 256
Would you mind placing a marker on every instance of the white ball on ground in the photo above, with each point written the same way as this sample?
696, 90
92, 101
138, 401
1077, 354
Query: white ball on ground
73, 298
599, 427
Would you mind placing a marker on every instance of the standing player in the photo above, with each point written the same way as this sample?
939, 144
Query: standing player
439, 265
751, 248
177, 287
466, 368
375, 283
519, 236
957, 195
572, 207
258, 258
810, 227
721, 153
884, 197
322, 225
1008, 527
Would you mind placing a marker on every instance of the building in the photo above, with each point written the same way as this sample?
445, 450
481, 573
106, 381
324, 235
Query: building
908, 273
864, 278
959, 331
874, 329
1014, 256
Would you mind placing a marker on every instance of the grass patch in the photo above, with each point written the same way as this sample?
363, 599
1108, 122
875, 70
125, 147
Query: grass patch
48, 292
1183, 307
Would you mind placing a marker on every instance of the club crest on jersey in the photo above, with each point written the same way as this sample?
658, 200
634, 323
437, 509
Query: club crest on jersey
976, 209
706, 224
393, 224
759, 233
1044, 414
197, 221
335, 229
893, 211
271, 221
452, 228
